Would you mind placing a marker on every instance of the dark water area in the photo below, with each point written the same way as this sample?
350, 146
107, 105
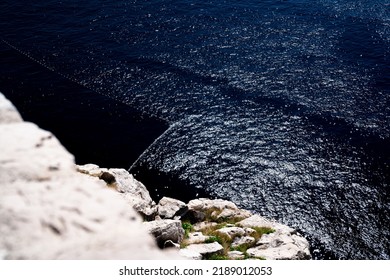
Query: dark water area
95, 128
282, 107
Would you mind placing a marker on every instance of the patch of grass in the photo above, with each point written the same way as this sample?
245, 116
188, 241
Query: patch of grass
213, 239
241, 248
259, 231
209, 230
187, 228
212, 214
222, 239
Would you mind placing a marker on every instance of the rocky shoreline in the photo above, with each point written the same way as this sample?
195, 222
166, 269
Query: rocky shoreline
50, 208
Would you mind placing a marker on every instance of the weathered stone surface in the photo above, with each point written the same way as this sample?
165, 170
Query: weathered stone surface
196, 237
281, 246
191, 255
249, 231
164, 230
169, 208
243, 240
236, 255
203, 225
134, 192
29, 153
8, 113
232, 231
206, 249
217, 209
259, 221
91, 169
50, 211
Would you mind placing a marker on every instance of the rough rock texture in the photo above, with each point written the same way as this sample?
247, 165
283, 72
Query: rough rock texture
165, 230
134, 192
283, 244
243, 240
259, 221
232, 231
169, 208
236, 255
50, 211
196, 237
218, 209
206, 249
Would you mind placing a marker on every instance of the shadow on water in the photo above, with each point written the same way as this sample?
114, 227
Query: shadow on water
95, 128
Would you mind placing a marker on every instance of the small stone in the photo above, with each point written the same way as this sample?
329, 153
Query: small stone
236, 255
203, 225
232, 231
244, 240
196, 237
206, 249
169, 208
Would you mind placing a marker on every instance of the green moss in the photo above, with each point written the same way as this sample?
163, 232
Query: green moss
241, 248
213, 239
187, 228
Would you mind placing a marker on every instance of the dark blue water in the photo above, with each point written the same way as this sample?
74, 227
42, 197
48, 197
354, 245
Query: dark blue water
280, 106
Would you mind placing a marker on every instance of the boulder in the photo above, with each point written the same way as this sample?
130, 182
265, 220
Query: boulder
243, 240
196, 237
232, 231
281, 245
259, 221
206, 249
91, 169
216, 209
169, 208
236, 255
164, 230
203, 225
134, 192
50, 211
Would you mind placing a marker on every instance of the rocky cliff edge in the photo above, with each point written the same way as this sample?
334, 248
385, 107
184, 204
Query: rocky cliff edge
51, 208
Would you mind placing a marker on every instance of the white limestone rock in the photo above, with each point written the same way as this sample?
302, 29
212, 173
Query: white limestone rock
91, 169
243, 240
206, 249
232, 231
29, 153
203, 225
218, 209
134, 192
259, 221
50, 211
281, 246
164, 230
196, 237
236, 255
170, 208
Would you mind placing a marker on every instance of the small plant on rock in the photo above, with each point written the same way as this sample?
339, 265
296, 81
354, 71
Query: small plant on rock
187, 228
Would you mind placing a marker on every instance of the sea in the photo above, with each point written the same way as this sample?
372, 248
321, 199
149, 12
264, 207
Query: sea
281, 106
